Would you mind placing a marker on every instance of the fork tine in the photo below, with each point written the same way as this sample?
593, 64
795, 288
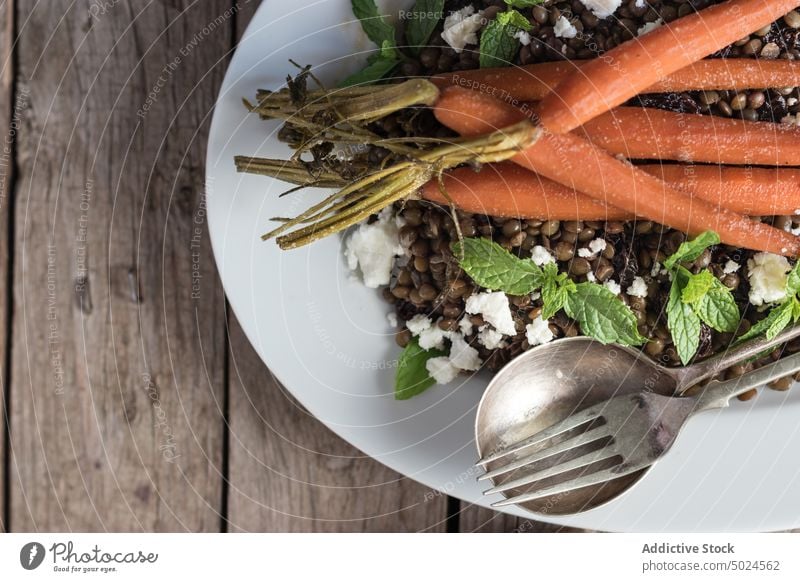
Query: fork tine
582, 439
584, 481
582, 461
568, 423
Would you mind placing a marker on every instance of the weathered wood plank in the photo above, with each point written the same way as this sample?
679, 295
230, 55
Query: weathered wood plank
7, 120
118, 350
288, 472
478, 519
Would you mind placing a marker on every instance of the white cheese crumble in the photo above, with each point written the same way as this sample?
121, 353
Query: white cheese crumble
465, 325
391, 317
613, 286
767, 274
494, 309
372, 249
462, 355
649, 26
541, 256
596, 246
432, 338
795, 231
417, 324
490, 338
523, 37
640, 3
538, 332
638, 288
791, 119
564, 29
441, 370
590, 277
461, 28
791, 101
602, 8
731, 267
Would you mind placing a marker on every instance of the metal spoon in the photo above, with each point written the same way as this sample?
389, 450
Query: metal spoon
550, 382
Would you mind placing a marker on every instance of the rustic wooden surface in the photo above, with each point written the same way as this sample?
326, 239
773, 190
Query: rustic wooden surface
136, 403
6, 177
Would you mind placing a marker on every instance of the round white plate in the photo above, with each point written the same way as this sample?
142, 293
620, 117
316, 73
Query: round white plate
327, 339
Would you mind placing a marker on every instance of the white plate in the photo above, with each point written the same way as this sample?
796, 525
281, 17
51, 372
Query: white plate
326, 337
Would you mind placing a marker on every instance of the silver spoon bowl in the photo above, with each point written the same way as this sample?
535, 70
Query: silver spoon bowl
549, 383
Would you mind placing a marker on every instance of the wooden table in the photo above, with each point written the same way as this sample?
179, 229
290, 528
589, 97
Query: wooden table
133, 400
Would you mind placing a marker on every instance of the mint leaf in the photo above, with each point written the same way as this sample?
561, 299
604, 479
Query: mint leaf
493, 267
773, 323
556, 287
682, 321
793, 281
412, 376
378, 66
690, 250
425, 16
498, 45
602, 315
375, 25
697, 286
717, 308
795, 309
523, 3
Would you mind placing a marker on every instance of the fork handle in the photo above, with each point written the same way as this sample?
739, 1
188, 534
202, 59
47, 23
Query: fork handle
718, 394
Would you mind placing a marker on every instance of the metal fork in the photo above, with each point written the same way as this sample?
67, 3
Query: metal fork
631, 431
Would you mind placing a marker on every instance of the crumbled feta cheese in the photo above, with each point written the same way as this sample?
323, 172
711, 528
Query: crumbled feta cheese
638, 288
541, 256
535, 295
465, 325
432, 338
791, 101
791, 119
462, 355
649, 26
461, 28
538, 332
795, 231
494, 309
731, 267
372, 248
417, 324
490, 338
523, 37
640, 4
441, 370
564, 29
596, 246
613, 286
767, 274
655, 269
602, 8
590, 277
391, 317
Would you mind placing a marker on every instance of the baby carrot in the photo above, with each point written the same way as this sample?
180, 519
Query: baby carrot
654, 134
520, 193
576, 163
631, 67
534, 82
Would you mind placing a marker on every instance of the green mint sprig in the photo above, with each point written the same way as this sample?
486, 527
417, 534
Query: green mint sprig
499, 44
600, 313
382, 33
781, 315
412, 376
523, 3
695, 299
424, 17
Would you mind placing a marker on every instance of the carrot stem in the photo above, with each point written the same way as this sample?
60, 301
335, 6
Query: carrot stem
632, 67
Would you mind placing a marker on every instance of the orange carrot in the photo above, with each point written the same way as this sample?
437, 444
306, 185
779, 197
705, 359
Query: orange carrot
534, 82
520, 193
576, 163
630, 68
654, 134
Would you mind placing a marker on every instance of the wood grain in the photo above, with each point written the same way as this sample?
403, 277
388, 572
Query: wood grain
478, 519
118, 350
6, 177
288, 472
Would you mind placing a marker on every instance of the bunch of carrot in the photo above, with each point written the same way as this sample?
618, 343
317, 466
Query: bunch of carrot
576, 172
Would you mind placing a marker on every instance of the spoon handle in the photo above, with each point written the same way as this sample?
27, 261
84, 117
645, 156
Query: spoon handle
691, 375
718, 394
